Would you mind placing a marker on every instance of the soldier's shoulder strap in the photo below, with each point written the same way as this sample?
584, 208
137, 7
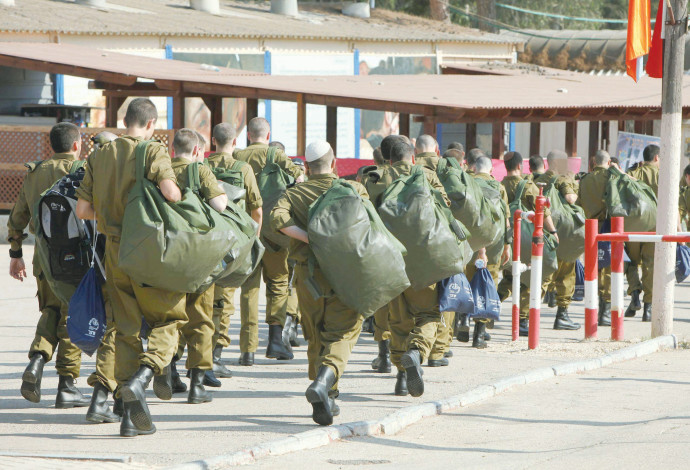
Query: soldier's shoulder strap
76, 166
33, 165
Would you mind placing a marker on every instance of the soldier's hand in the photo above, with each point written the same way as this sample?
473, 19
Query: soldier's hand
505, 257
17, 269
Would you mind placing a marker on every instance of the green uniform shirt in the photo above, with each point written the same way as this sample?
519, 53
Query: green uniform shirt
684, 203
293, 209
110, 174
255, 155
591, 195
529, 195
648, 173
427, 160
37, 180
253, 199
564, 184
209, 184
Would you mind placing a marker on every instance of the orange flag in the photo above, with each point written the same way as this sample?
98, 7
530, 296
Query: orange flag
639, 36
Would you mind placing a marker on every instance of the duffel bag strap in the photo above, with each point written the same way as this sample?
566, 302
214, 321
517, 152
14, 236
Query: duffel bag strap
193, 180
76, 165
311, 284
140, 155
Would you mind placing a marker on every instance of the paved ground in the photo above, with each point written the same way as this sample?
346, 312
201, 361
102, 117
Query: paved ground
613, 417
260, 403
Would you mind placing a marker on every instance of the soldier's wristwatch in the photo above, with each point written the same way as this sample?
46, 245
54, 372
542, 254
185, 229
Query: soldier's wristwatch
16, 253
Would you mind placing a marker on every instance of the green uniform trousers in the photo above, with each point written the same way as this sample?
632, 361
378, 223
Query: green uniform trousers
51, 330
330, 327
163, 310
292, 302
444, 336
413, 321
381, 325
641, 254
605, 284
223, 309
275, 273
564, 282
197, 333
105, 355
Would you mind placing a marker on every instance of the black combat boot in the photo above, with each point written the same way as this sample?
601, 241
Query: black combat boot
647, 313
478, 336
401, 384
178, 386
551, 299
294, 340
605, 314
99, 410
290, 332
246, 359
210, 379
163, 384
437, 362
448, 353
412, 362
219, 369
317, 395
118, 406
197, 392
486, 336
335, 409
634, 304
463, 329
563, 321
524, 327
368, 325
382, 363
136, 418
276, 349
31, 380
69, 396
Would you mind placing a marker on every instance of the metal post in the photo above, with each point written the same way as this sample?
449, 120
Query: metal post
617, 281
536, 273
591, 281
517, 226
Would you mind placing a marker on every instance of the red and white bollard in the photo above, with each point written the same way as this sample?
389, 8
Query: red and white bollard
518, 268
591, 278
617, 286
536, 269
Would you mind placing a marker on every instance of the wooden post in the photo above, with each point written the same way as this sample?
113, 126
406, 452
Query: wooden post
470, 136
605, 135
252, 111
534, 138
301, 124
178, 110
215, 105
430, 126
593, 137
404, 124
669, 168
621, 126
639, 127
113, 105
332, 126
571, 138
498, 145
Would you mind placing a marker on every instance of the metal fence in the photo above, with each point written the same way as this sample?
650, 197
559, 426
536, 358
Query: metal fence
22, 144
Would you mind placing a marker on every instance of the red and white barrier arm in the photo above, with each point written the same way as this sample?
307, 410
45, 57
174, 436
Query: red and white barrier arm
643, 238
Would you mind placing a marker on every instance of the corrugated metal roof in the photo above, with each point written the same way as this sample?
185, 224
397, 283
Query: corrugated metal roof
240, 20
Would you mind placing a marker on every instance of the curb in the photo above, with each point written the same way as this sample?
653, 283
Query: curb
404, 417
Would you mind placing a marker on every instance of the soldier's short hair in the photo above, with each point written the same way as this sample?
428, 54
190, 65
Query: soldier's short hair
483, 165
686, 172
650, 151
536, 163
378, 156
425, 143
473, 155
140, 111
456, 154
388, 142
62, 136
401, 151
224, 133
184, 142
601, 157
512, 160
258, 128
456, 146
278, 145
202, 140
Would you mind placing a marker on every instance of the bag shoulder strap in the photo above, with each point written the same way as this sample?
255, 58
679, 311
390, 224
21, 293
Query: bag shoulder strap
76, 166
416, 169
140, 155
520, 189
237, 166
193, 180
271, 155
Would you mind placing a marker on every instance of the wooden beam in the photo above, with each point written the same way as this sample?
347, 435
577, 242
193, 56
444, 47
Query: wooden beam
252, 112
112, 106
571, 139
404, 124
127, 93
47, 67
593, 137
470, 136
534, 138
332, 126
497, 140
101, 85
301, 125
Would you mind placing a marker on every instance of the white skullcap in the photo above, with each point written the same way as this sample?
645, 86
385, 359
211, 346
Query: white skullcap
316, 150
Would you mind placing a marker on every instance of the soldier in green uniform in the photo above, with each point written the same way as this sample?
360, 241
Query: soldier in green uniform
273, 265
684, 200
198, 332
642, 254
513, 164
110, 174
591, 198
224, 140
331, 327
426, 152
564, 277
293, 318
51, 330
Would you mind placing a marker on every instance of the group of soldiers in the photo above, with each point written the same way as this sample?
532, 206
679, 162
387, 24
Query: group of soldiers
410, 330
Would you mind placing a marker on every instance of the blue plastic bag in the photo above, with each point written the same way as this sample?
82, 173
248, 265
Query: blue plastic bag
86, 314
487, 304
455, 294
579, 281
682, 262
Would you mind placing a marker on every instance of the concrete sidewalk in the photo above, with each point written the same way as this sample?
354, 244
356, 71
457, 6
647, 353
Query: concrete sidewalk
264, 402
